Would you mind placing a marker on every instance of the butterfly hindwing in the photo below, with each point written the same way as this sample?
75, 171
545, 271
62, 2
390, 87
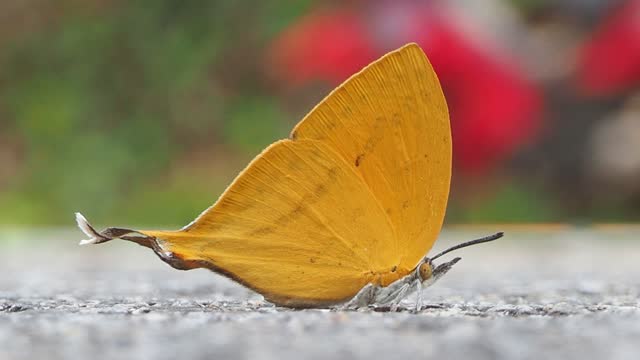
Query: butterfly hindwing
298, 225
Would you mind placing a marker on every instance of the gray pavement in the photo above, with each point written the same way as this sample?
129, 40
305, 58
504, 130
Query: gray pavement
570, 294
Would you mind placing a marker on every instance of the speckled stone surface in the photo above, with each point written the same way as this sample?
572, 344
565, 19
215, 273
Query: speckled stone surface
570, 294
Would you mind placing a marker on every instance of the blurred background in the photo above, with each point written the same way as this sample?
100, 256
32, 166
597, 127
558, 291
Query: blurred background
142, 112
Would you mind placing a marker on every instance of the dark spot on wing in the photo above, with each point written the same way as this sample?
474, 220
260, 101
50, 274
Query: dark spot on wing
320, 190
393, 269
405, 204
312, 260
297, 210
359, 159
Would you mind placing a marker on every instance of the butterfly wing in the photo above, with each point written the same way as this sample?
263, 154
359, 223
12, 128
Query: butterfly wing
356, 196
299, 226
391, 123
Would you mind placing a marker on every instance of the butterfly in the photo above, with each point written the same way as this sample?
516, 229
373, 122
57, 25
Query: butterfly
342, 212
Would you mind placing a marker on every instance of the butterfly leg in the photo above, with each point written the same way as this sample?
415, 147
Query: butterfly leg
415, 285
418, 295
397, 298
377, 295
365, 297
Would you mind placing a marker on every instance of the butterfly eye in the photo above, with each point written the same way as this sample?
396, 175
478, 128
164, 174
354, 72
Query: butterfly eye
426, 270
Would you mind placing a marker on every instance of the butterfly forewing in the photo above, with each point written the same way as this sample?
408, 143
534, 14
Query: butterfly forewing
391, 123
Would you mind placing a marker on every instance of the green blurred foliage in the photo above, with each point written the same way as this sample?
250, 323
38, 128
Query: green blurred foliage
246, 128
109, 101
523, 204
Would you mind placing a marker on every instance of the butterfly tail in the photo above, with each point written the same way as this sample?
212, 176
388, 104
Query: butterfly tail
99, 237
94, 236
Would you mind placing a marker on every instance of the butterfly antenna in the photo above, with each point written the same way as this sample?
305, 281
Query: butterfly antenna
485, 239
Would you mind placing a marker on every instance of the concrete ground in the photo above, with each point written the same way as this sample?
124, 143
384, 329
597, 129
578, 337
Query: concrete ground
537, 294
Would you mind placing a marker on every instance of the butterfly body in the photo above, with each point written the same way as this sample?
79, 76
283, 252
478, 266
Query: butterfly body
352, 200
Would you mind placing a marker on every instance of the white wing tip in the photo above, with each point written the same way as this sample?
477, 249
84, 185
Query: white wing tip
87, 229
88, 242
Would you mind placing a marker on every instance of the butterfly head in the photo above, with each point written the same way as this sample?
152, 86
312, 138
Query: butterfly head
425, 270
428, 272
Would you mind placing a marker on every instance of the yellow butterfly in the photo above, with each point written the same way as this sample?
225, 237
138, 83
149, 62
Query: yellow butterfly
344, 210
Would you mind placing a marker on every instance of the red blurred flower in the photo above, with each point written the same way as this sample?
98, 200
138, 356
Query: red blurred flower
609, 62
328, 46
494, 109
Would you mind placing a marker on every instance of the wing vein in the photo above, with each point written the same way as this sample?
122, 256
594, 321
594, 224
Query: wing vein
321, 219
368, 187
